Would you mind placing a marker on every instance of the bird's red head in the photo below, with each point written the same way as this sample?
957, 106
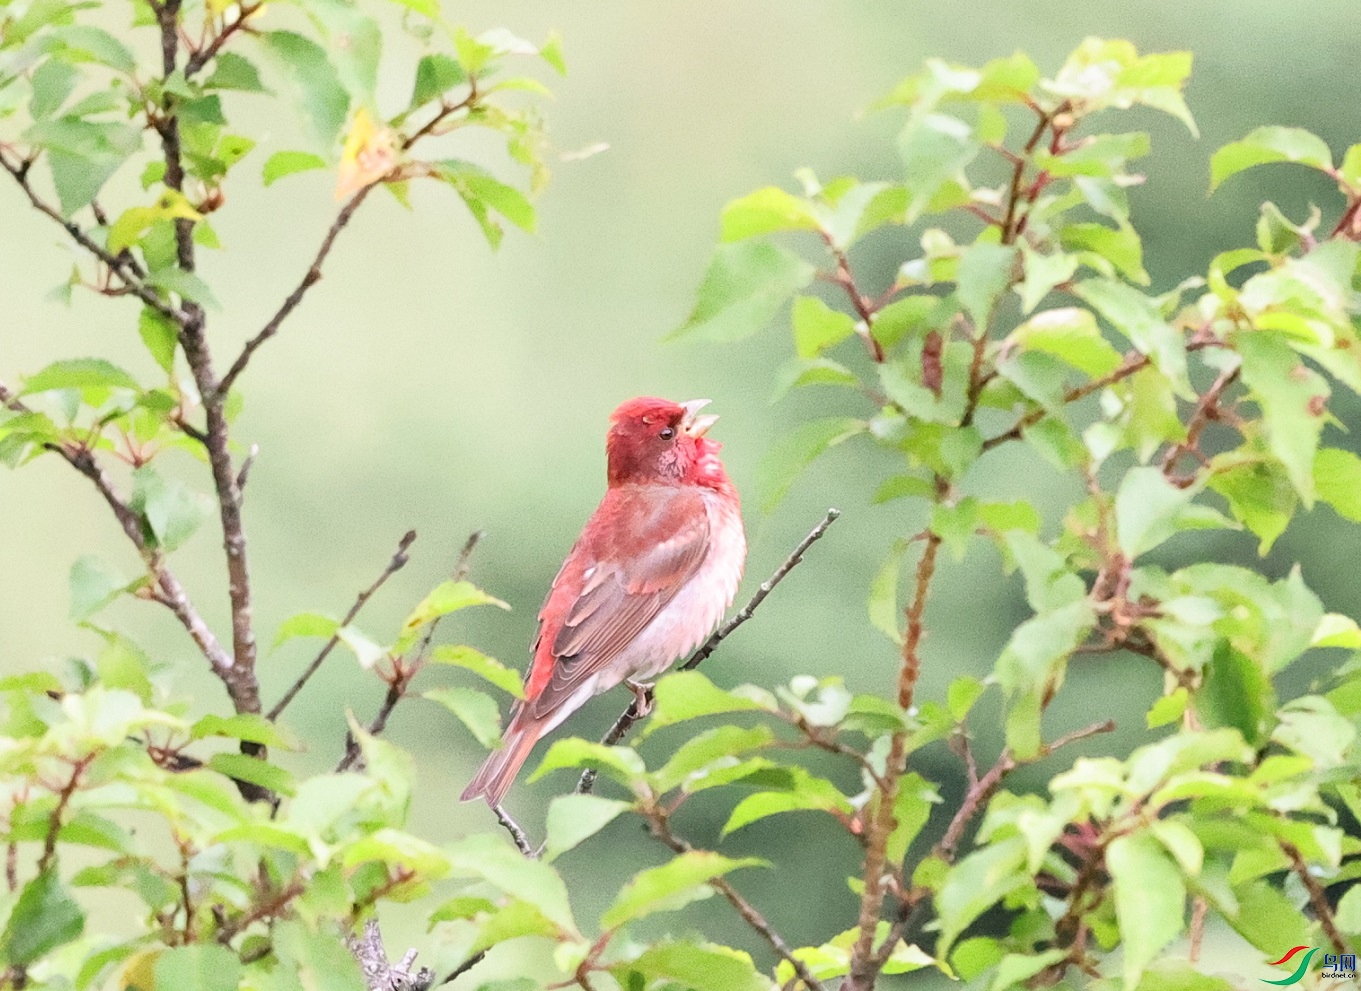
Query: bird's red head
661, 442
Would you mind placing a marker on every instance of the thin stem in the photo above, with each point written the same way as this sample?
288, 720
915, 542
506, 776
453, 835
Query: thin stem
399, 560
517, 832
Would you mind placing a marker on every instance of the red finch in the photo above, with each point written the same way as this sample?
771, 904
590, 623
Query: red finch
649, 578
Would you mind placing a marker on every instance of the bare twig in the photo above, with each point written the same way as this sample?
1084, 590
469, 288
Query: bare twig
398, 561
517, 832
631, 715
197, 60
291, 301
463, 968
1207, 409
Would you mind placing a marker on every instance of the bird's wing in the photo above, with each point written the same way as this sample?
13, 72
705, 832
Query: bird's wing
636, 553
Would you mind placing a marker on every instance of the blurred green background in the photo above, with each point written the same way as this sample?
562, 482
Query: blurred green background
429, 384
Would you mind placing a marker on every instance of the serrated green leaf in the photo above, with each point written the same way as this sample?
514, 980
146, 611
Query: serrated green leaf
44, 918
1293, 398
1266, 145
575, 818
670, 886
252, 770
794, 452
321, 96
476, 710
285, 163
767, 211
745, 285
171, 509
817, 326
198, 967
487, 668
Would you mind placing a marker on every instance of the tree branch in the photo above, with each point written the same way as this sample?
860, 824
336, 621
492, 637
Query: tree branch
290, 303
661, 828
167, 589
399, 560
631, 715
516, 831
116, 265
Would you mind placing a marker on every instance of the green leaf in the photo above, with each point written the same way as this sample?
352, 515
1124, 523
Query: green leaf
198, 967
670, 886
172, 510
1119, 246
1150, 900
323, 99
1293, 398
313, 960
692, 965
93, 585
744, 287
1033, 658
574, 818
185, 284
245, 726
1168, 709
446, 598
1260, 497
474, 709
767, 211
79, 373
1266, 145
1337, 481
621, 763
354, 45
794, 452
1137, 317
1042, 274
252, 770
807, 793
816, 371
436, 74
1236, 693
935, 148
87, 43
160, 335
1149, 509
487, 668
531, 881
83, 155
984, 274
911, 810
477, 185
817, 326
714, 750
284, 163
884, 612
1071, 335
44, 918
233, 71
976, 883
52, 82
306, 624
685, 695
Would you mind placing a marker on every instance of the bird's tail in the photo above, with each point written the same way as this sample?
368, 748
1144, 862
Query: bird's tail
497, 773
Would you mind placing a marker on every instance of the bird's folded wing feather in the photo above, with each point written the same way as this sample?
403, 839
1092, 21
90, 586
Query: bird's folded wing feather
613, 584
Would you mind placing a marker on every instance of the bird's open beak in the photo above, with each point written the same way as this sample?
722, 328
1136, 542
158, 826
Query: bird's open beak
693, 424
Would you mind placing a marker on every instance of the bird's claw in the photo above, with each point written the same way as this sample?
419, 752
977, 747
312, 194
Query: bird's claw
642, 697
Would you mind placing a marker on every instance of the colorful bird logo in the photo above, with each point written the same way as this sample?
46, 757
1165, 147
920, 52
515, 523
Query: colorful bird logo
1298, 976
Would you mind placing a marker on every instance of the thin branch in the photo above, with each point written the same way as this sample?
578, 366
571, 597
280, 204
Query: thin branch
1133, 364
203, 56
1207, 409
661, 828
115, 264
517, 832
398, 561
290, 303
631, 715
745, 613
167, 589
1318, 899
463, 968
982, 788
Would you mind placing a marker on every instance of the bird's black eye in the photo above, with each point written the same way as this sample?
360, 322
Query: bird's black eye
667, 433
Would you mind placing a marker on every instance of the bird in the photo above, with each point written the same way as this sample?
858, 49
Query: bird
652, 574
